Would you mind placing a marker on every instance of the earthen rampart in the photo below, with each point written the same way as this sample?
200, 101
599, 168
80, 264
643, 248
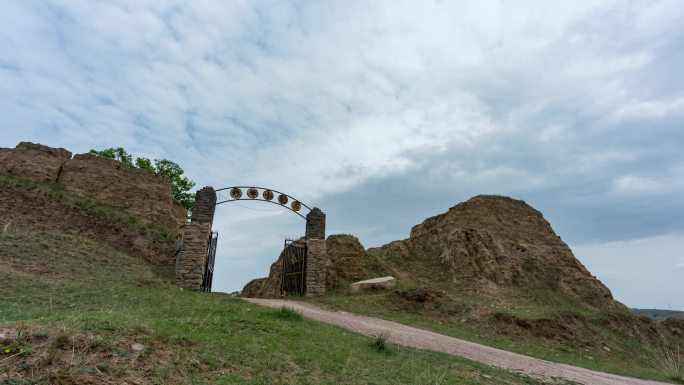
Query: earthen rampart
147, 196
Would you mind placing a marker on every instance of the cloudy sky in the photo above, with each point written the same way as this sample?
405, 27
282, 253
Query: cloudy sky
381, 113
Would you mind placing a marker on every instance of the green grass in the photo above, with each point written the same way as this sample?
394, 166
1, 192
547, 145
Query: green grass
78, 307
461, 316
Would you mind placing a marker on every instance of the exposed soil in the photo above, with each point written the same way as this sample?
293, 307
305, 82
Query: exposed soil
36, 210
423, 339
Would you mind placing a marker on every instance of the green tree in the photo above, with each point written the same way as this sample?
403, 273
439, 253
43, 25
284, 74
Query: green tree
118, 153
180, 184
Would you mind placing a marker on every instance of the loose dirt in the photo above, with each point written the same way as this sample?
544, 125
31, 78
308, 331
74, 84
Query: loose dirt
423, 339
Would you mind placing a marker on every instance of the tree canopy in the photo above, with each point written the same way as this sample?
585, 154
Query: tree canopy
180, 184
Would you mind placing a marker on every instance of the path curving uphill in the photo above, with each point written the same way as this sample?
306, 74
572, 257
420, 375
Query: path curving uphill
423, 339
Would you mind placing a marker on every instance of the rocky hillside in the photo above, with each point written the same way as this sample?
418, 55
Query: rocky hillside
493, 242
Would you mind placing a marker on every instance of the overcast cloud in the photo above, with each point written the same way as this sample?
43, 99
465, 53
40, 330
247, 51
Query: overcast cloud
380, 113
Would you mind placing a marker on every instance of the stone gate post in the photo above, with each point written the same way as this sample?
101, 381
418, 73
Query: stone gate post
205, 205
316, 253
315, 224
192, 258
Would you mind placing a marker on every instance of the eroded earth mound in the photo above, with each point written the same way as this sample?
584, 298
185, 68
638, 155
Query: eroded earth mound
493, 242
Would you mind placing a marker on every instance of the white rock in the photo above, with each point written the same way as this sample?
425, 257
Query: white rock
382, 283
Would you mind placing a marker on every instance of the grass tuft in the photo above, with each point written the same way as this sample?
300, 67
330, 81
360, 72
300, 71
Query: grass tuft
380, 342
286, 313
668, 361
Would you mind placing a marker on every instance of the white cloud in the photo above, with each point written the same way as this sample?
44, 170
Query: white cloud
650, 108
638, 184
639, 271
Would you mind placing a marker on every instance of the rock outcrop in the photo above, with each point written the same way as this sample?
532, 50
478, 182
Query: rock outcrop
496, 241
147, 196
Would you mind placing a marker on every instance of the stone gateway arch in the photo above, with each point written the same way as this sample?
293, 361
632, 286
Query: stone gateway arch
196, 248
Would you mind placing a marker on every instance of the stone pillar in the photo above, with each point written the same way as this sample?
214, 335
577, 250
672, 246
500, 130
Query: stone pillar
192, 259
205, 205
315, 224
315, 267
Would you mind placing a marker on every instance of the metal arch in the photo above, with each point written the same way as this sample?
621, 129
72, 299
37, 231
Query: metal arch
259, 197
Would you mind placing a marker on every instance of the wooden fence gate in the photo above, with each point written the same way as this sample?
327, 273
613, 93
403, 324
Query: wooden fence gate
294, 268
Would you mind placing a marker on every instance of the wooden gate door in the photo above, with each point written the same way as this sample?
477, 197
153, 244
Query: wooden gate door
294, 268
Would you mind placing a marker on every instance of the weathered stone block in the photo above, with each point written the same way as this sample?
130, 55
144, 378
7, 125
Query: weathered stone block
382, 283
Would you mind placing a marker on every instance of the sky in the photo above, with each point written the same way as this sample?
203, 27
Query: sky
380, 113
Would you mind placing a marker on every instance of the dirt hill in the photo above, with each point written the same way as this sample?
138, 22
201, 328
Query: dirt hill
492, 242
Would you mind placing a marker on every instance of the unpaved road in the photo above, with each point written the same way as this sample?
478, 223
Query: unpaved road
423, 339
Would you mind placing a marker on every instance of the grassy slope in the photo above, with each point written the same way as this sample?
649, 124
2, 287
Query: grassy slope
76, 307
467, 314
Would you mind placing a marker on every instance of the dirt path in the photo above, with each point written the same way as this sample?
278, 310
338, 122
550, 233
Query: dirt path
423, 339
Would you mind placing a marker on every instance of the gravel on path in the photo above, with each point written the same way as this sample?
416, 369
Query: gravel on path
427, 340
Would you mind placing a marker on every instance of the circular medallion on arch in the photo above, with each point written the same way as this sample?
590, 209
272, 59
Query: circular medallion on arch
252, 193
282, 199
235, 193
296, 206
267, 194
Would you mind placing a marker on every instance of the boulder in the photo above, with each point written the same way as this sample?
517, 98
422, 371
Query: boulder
375, 284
